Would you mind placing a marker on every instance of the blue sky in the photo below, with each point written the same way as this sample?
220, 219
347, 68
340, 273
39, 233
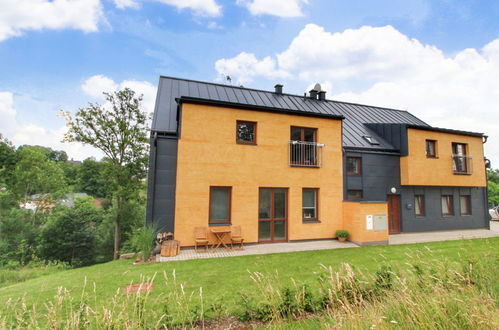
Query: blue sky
424, 56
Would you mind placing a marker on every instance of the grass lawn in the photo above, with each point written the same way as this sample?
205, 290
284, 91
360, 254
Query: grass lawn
224, 279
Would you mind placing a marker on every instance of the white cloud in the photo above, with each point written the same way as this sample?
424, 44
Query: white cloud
29, 133
123, 4
245, 66
96, 85
281, 8
381, 66
24, 15
199, 7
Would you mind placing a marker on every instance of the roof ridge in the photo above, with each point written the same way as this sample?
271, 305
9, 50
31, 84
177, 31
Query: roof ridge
288, 94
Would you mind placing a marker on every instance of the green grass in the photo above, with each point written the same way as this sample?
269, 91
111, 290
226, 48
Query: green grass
223, 279
17, 275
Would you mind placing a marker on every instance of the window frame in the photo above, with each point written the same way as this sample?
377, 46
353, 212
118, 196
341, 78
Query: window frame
452, 211
464, 155
316, 206
361, 194
435, 153
359, 166
421, 207
254, 123
302, 133
218, 221
468, 205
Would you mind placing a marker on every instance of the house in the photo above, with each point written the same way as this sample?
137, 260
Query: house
298, 167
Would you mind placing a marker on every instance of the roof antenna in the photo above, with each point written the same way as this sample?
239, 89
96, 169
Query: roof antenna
229, 79
304, 95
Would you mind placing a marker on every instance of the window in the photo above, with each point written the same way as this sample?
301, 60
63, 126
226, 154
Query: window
459, 158
303, 147
419, 205
354, 194
431, 148
465, 204
220, 202
245, 132
447, 205
353, 165
309, 204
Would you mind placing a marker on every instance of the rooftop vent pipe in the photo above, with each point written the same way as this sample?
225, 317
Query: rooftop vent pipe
322, 95
278, 88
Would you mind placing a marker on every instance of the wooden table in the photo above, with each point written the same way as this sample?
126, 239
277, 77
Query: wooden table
220, 234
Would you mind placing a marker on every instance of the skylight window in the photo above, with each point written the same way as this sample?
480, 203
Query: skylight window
371, 140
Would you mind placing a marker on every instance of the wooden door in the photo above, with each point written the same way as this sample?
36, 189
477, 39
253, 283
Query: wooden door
272, 215
393, 214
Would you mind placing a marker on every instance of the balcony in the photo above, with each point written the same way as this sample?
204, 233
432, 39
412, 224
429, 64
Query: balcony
462, 164
305, 154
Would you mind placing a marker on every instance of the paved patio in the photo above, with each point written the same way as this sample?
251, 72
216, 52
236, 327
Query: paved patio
449, 235
187, 254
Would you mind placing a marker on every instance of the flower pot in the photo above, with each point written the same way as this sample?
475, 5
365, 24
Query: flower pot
342, 239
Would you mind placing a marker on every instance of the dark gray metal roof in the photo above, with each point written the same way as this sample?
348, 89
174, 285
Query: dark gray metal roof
355, 116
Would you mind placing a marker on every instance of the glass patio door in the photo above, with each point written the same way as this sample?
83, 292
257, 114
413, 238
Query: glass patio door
272, 215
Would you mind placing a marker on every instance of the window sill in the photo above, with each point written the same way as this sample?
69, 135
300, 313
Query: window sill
461, 173
311, 221
246, 143
220, 224
432, 157
353, 174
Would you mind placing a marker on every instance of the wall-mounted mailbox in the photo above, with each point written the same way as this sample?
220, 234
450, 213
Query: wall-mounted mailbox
369, 222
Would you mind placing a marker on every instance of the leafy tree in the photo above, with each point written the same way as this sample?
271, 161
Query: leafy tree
120, 132
7, 159
93, 178
35, 174
71, 172
70, 234
493, 185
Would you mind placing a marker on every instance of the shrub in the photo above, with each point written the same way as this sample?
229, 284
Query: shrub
342, 233
142, 241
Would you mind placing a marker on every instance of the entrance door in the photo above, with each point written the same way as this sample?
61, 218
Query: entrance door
272, 215
393, 214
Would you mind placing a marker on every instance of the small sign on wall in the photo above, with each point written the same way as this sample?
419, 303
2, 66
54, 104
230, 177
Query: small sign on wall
369, 222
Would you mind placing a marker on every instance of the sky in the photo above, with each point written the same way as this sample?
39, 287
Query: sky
438, 59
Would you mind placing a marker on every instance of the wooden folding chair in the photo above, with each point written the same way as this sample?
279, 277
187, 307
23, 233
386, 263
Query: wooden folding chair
201, 238
236, 237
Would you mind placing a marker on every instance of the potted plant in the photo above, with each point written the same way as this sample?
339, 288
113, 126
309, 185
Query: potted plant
342, 235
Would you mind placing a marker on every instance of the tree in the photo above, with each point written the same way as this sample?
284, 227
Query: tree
35, 174
93, 178
70, 234
119, 130
493, 185
7, 159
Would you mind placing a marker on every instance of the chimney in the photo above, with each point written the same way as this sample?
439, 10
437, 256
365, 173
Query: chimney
278, 88
315, 91
322, 95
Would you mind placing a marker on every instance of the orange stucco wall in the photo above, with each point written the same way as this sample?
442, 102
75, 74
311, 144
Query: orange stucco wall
354, 220
418, 170
209, 156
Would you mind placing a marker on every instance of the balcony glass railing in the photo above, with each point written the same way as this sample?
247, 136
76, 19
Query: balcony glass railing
305, 154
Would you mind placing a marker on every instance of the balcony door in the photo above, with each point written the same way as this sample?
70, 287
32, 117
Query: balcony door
272, 215
303, 149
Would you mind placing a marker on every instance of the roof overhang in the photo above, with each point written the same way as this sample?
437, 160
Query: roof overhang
445, 130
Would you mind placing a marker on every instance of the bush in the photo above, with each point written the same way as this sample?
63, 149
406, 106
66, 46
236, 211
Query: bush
342, 233
142, 241
70, 234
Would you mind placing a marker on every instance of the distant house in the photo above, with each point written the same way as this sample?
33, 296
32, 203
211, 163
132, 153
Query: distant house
43, 201
292, 167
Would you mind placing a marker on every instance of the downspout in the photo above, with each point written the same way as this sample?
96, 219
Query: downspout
487, 165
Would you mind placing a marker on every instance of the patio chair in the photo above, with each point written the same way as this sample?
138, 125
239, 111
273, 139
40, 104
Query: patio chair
201, 238
236, 237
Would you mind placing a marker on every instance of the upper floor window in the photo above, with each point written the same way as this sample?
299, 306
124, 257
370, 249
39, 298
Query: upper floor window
447, 205
431, 148
304, 151
353, 166
245, 132
419, 205
220, 203
460, 158
309, 203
